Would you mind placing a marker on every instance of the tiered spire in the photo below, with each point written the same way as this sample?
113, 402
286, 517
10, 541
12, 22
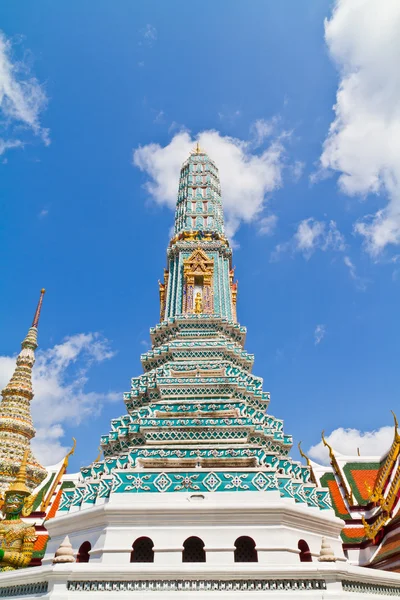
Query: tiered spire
199, 206
196, 419
16, 427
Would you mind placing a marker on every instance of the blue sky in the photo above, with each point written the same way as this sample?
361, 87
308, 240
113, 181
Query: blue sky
100, 99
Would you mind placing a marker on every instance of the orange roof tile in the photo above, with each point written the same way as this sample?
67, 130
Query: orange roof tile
55, 505
354, 532
365, 480
41, 542
337, 498
389, 547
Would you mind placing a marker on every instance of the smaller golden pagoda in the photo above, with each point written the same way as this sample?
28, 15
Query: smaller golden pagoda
16, 426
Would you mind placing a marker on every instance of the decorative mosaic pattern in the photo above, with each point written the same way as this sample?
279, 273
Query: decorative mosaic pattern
66, 500
196, 418
199, 481
368, 588
199, 205
28, 589
362, 478
197, 585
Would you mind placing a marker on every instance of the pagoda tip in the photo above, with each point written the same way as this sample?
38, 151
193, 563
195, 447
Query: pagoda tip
38, 309
198, 149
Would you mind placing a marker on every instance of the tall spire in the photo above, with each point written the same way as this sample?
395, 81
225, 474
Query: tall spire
199, 277
36, 318
199, 206
16, 426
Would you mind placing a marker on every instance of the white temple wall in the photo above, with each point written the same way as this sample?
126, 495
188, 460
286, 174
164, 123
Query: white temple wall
169, 519
323, 581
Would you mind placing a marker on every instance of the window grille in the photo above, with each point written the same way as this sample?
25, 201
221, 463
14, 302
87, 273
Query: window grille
83, 555
193, 550
142, 550
245, 550
305, 554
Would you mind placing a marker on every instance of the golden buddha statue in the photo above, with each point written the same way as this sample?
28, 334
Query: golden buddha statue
198, 303
16, 537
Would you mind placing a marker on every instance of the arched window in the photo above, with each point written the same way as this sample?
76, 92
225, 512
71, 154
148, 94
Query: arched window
83, 552
193, 550
142, 550
305, 554
245, 550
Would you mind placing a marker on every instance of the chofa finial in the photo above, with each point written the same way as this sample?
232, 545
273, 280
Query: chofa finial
35, 322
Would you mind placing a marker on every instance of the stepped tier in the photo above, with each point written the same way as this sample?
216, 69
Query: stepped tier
198, 425
197, 418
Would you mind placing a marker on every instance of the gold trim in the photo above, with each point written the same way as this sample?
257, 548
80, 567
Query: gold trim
46, 501
335, 466
386, 469
372, 530
198, 265
98, 457
312, 474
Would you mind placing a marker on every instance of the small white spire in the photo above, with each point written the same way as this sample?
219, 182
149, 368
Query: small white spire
64, 554
326, 553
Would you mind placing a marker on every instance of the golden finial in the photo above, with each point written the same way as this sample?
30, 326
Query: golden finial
19, 484
312, 475
335, 465
330, 449
47, 499
35, 322
324, 441
71, 452
98, 456
302, 453
396, 427
197, 149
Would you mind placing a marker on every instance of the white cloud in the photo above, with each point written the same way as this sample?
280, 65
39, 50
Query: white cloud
43, 213
346, 441
309, 233
350, 265
9, 144
312, 235
266, 225
360, 282
261, 130
60, 377
319, 334
363, 143
22, 99
297, 170
159, 118
246, 178
149, 35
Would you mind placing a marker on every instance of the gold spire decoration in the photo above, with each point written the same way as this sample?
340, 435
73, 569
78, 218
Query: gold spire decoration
57, 480
308, 461
335, 466
98, 457
197, 150
386, 468
16, 426
19, 484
